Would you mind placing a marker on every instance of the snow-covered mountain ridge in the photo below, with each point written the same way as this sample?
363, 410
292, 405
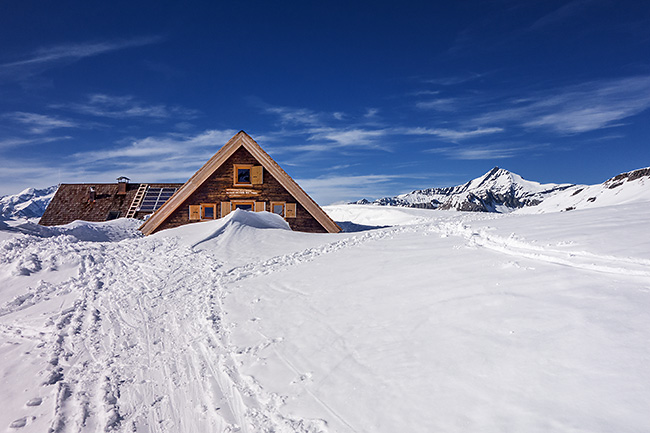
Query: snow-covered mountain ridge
630, 187
500, 190
30, 203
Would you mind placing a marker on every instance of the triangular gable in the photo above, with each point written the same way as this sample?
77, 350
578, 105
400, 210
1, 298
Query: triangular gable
241, 139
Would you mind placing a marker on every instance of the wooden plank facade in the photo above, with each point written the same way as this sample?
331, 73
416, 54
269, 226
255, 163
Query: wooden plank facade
220, 194
240, 175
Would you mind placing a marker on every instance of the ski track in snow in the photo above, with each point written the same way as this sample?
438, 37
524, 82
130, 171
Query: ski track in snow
516, 247
138, 350
141, 349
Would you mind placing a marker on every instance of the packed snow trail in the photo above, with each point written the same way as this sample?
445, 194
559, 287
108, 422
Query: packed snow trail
142, 347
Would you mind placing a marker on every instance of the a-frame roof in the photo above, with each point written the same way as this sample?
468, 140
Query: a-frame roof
241, 139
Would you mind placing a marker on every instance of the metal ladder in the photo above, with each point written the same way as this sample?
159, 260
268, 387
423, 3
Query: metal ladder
137, 200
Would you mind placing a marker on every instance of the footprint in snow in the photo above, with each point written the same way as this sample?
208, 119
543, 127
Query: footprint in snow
36, 401
21, 422
302, 378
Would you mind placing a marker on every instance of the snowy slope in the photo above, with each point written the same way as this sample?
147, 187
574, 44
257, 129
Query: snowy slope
443, 321
496, 191
630, 187
30, 203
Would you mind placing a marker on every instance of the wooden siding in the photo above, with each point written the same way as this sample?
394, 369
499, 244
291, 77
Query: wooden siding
218, 188
241, 139
72, 202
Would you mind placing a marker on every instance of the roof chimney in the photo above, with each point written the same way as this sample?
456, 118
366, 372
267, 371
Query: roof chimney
92, 194
122, 182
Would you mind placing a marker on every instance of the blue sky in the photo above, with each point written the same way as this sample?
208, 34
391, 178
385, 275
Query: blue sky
354, 99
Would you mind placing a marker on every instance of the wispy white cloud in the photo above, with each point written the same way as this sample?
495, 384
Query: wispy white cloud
300, 117
450, 134
170, 158
21, 173
440, 104
424, 93
453, 80
163, 149
371, 113
40, 123
576, 109
296, 116
348, 137
562, 13
72, 52
16, 142
122, 107
331, 189
484, 152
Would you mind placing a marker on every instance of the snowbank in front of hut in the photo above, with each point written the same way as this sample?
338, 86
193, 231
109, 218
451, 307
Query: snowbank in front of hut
242, 237
199, 233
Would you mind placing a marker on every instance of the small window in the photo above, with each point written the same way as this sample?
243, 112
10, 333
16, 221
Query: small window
112, 215
242, 174
208, 211
277, 207
243, 205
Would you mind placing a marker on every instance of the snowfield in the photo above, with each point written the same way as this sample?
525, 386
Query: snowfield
420, 321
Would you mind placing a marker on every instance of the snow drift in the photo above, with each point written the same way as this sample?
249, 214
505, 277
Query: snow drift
238, 220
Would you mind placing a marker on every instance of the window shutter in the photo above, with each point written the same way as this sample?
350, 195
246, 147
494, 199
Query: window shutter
195, 212
225, 208
260, 206
290, 210
256, 175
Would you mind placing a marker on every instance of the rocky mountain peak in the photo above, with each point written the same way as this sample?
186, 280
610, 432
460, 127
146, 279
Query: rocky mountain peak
30, 203
498, 190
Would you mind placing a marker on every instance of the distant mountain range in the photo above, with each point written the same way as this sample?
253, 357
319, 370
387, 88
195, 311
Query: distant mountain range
30, 203
502, 191
496, 191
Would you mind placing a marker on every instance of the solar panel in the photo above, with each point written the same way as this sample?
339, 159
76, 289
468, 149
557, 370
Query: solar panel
154, 198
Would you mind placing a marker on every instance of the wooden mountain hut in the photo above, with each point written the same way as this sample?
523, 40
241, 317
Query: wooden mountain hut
240, 176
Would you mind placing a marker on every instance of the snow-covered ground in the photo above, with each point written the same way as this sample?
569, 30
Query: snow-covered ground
435, 321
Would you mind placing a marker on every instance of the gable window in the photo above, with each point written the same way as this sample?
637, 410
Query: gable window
208, 211
247, 174
242, 174
277, 207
